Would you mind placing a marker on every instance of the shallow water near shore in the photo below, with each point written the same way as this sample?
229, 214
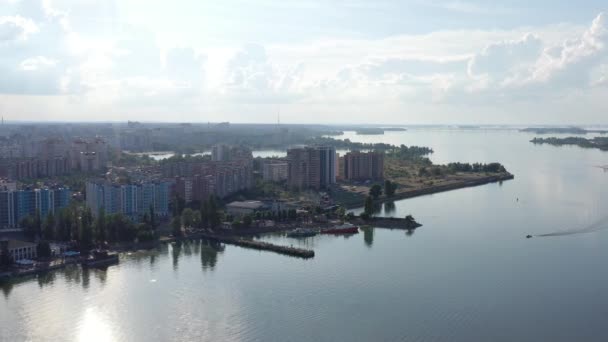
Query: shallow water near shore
469, 274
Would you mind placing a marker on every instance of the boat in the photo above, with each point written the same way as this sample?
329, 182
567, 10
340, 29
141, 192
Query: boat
100, 258
528, 236
301, 232
342, 229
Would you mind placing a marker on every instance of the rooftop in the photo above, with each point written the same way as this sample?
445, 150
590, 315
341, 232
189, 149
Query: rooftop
245, 204
13, 244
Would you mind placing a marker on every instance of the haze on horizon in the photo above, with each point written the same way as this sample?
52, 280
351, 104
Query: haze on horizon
348, 61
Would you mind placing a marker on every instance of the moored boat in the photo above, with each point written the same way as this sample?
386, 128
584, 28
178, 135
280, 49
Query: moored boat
100, 258
301, 232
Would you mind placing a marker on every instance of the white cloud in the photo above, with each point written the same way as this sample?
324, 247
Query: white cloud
37, 63
570, 63
16, 28
122, 68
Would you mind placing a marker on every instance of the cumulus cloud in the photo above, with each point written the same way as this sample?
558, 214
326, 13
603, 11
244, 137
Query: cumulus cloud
500, 59
46, 50
250, 76
570, 63
16, 28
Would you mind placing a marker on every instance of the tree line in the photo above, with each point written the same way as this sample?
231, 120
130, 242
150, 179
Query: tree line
78, 224
476, 167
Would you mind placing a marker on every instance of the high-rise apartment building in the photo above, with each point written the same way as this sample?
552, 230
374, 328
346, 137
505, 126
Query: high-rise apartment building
360, 166
275, 171
15, 205
311, 167
131, 200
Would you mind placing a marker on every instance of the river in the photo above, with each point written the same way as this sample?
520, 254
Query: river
469, 274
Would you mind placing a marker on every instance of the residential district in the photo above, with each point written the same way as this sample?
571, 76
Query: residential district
71, 194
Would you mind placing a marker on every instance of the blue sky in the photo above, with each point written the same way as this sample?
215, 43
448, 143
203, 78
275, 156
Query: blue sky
406, 62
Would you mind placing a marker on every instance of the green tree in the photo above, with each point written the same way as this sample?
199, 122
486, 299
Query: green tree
101, 228
205, 214
369, 206
5, 259
375, 191
122, 228
27, 224
48, 227
145, 232
63, 228
86, 229
187, 217
390, 188
341, 212
43, 249
152, 216
196, 218
176, 226
247, 220
38, 223
214, 215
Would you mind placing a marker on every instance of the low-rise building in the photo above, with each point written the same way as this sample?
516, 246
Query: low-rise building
240, 208
18, 250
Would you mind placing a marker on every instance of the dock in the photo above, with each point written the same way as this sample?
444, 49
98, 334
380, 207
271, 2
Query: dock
259, 245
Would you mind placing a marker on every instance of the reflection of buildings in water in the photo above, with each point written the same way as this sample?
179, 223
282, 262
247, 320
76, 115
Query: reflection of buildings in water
187, 248
46, 279
209, 252
176, 249
6, 288
152, 260
101, 273
86, 277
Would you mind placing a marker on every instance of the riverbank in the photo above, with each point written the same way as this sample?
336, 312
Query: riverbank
361, 192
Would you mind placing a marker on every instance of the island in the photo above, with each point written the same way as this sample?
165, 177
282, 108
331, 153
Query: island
562, 130
370, 131
600, 143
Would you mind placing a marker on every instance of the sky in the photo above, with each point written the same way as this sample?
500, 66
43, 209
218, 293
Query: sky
341, 61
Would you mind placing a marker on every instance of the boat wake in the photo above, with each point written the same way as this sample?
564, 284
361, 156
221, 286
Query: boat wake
594, 227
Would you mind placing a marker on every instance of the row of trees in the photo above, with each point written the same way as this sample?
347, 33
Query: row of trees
208, 216
78, 224
389, 189
476, 167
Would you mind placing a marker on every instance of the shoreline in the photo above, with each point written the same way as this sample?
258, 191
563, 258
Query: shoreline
434, 189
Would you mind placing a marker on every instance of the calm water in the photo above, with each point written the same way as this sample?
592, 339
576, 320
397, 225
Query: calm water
469, 274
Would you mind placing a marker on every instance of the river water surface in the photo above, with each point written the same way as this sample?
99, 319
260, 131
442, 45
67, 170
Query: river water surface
469, 274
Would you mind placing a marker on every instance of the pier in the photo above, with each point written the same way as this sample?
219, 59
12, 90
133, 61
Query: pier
263, 246
388, 222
